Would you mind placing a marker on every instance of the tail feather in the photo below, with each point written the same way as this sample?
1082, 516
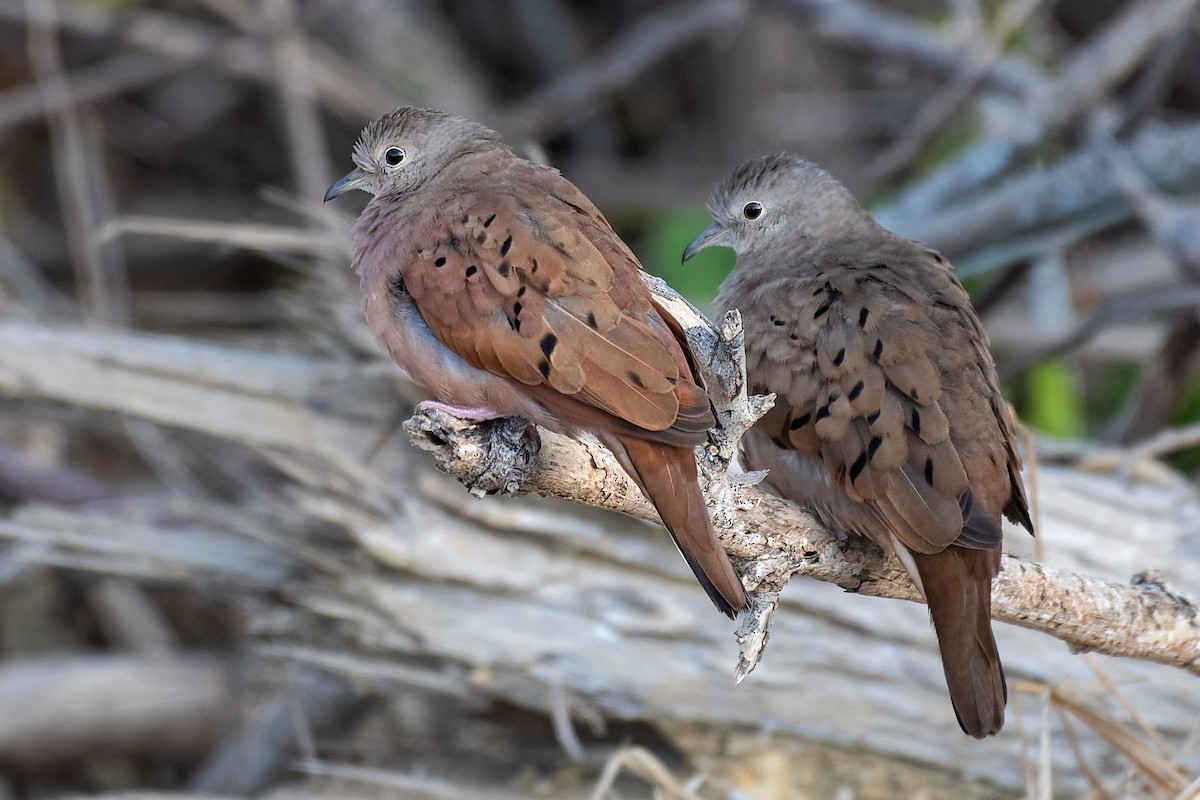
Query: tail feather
667, 475
958, 588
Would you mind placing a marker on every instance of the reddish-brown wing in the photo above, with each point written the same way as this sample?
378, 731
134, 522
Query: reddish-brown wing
551, 298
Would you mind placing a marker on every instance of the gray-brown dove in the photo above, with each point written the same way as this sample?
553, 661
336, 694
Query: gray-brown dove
498, 286
888, 421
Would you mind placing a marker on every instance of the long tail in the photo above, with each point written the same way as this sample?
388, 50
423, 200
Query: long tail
667, 475
958, 588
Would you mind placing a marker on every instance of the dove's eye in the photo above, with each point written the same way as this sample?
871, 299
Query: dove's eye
393, 156
752, 210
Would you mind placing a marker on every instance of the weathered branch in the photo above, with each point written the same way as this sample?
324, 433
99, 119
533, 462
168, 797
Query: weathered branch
168, 706
1078, 192
1102, 62
865, 28
436, 586
776, 541
570, 96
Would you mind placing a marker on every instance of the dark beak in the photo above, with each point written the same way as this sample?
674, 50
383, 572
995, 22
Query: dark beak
354, 179
707, 238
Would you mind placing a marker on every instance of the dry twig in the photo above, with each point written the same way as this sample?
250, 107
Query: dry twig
778, 541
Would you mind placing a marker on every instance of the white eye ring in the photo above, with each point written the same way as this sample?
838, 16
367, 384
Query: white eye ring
393, 156
752, 210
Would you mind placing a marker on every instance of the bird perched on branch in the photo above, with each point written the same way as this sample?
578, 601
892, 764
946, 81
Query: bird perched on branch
888, 421
498, 286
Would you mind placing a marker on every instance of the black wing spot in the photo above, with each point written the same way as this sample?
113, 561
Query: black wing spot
591, 320
840, 357
863, 314
521, 292
544, 368
929, 470
778, 322
504, 247
489, 220
504, 269
481, 237
800, 421
855, 392
440, 261
873, 416
517, 308
636, 379
916, 422
465, 219
914, 394
857, 467
517, 325
533, 265
878, 349
821, 309
822, 413
471, 270
819, 291
873, 446
548, 343
794, 336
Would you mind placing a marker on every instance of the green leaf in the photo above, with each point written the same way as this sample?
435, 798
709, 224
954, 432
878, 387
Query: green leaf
1053, 402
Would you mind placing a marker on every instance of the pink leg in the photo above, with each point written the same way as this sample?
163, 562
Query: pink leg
461, 412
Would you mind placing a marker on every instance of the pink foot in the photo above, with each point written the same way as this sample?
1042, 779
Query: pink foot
461, 412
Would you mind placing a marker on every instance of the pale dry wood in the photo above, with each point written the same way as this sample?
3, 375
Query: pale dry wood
1103, 61
643, 763
985, 51
62, 710
1075, 194
535, 599
274, 239
874, 31
1106, 58
776, 536
780, 541
1143, 620
82, 189
347, 778
172, 42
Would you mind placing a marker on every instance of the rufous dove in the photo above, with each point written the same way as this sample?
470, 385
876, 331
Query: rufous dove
498, 286
888, 421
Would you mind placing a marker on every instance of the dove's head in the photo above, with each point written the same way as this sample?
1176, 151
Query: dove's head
780, 200
402, 150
